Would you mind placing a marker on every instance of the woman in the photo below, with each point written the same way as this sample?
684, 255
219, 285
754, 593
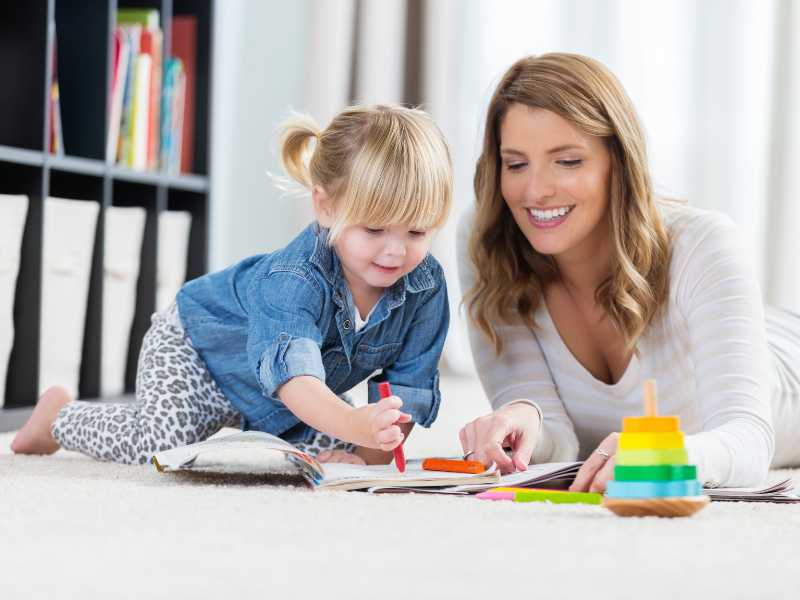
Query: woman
580, 284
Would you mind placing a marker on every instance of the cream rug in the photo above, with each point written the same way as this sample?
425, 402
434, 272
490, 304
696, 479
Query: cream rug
71, 527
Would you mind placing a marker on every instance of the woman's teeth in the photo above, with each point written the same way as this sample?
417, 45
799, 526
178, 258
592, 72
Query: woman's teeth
550, 214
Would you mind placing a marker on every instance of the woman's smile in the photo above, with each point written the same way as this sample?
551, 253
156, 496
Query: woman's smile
548, 218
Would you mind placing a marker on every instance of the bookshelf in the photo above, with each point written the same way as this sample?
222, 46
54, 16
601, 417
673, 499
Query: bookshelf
84, 54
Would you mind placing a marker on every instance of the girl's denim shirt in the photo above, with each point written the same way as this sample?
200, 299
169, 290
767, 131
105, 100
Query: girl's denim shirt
272, 317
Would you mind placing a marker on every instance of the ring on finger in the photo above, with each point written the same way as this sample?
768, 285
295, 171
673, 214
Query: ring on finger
467, 453
602, 453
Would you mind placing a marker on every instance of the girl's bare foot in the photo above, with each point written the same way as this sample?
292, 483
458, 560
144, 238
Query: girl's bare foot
339, 456
35, 436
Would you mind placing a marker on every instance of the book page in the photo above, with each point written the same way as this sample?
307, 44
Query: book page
780, 491
251, 452
535, 475
350, 477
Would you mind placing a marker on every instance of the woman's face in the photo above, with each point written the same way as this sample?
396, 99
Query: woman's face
554, 179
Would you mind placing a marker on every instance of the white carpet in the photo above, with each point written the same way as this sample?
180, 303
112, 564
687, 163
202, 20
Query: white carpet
71, 527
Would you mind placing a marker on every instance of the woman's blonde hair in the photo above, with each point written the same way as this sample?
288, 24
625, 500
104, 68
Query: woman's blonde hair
382, 165
511, 274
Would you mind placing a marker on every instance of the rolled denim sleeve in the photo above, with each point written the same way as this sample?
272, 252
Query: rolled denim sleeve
288, 357
414, 376
284, 338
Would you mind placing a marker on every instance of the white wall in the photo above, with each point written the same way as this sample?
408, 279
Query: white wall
259, 53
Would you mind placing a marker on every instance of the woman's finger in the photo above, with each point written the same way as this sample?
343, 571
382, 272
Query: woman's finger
493, 452
603, 475
489, 443
523, 450
593, 464
467, 436
587, 472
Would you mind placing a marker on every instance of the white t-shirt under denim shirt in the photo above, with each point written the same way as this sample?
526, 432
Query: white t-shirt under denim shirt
730, 378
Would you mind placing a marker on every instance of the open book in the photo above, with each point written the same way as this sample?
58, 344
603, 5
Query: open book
258, 453
545, 475
561, 475
780, 492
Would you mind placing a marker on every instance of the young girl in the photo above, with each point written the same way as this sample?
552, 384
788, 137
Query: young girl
269, 343
586, 284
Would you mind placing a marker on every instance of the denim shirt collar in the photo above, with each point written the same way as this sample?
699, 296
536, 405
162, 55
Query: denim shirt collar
326, 260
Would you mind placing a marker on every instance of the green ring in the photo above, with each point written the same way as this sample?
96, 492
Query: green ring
655, 472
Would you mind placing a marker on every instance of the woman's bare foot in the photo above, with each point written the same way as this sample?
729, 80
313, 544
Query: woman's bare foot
340, 456
35, 436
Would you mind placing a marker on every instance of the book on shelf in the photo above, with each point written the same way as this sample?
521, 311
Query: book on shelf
146, 17
140, 129
152, 97
55, 137
151, 45
258, 453
132, 33
172, 116
140, 114
119, 75
184, 47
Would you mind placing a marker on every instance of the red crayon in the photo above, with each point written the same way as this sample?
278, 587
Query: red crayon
385, 391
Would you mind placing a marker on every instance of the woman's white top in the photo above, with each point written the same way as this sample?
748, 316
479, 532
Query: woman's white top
708, 351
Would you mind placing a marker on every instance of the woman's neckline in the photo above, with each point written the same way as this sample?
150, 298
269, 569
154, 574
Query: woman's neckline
626, 383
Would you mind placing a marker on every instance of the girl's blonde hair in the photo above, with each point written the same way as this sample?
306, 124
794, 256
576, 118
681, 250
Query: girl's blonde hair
382, 165
510, 274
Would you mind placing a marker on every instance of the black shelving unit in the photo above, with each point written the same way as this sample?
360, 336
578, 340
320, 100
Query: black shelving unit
83, 35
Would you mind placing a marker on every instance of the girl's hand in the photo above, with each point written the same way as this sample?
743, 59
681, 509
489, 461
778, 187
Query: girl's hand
378, 424
598, 468
514, 426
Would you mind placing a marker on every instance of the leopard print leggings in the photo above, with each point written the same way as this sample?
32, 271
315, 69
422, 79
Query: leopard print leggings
177, 403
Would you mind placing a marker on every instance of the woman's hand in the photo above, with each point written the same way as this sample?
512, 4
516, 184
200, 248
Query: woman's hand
598, 468
378, 424
514, 426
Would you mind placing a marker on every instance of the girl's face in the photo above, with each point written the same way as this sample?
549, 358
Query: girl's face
374, 258
554, 179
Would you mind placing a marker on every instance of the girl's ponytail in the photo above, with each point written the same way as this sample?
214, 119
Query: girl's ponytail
295, 141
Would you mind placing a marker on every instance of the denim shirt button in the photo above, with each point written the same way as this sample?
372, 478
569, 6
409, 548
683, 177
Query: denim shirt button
346, 324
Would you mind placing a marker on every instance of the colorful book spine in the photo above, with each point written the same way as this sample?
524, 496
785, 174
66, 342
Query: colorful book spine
152, 41
170, 105
135, 107
118, 81
148, 18
124, 153
55, 137
140, 114
184, 47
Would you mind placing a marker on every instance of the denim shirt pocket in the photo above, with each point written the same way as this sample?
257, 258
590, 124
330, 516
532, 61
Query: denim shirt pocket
371, 358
